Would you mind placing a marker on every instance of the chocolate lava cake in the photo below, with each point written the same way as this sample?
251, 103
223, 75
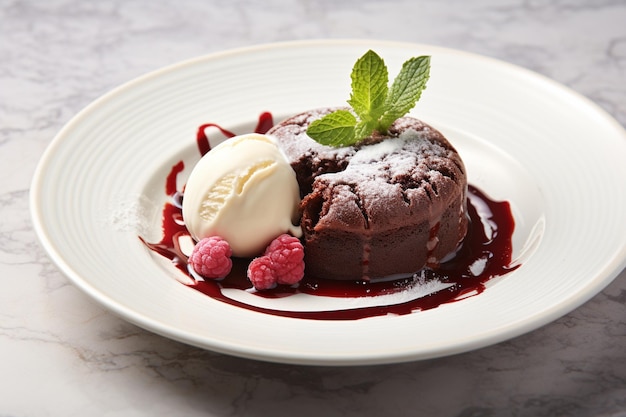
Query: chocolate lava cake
384, 208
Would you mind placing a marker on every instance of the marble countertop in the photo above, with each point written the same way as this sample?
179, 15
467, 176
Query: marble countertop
64, 355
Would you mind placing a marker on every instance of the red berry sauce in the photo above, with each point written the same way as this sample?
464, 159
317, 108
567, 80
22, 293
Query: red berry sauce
490, 248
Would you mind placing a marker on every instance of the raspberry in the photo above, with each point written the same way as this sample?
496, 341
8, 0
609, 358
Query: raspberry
261, 273
287, 255
211, 257
282, 263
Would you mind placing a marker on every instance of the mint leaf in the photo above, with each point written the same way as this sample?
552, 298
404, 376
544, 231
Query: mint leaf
334, 129
375, 105
364, 128
369, 86
406, 90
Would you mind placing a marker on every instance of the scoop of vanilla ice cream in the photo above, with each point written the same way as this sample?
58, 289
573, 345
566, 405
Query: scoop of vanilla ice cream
245, 191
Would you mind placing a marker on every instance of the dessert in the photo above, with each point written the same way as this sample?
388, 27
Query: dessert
359, 203
384, 208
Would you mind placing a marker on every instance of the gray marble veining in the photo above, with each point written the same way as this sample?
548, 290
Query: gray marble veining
65, 355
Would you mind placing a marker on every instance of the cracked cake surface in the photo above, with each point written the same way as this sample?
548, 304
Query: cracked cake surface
386, 207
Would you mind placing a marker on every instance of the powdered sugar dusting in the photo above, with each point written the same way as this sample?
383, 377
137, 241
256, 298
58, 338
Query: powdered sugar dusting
375, 152
380, 166
420, 287
131, 215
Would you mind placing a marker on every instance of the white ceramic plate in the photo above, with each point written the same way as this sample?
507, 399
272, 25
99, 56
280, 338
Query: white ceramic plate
555, 156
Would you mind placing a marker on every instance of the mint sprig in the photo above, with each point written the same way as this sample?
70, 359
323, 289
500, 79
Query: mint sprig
375, 105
